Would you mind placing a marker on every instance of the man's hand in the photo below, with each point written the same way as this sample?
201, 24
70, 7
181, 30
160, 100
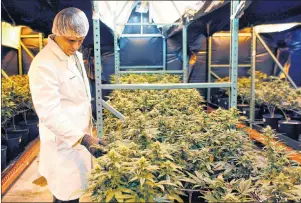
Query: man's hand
93, 145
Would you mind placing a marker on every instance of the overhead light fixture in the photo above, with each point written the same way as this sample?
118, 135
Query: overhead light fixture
142, 7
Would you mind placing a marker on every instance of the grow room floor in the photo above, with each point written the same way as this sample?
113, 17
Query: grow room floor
23, 190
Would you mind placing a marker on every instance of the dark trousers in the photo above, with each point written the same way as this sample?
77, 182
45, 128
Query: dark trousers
55, 200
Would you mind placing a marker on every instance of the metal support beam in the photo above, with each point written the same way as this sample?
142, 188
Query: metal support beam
253, 67
30, 36
141, 35
162, 24
113, 110
139, 67
20, 59
234, 54
97, 54
5, 75
27, 50
41, 43
184, 54
116, 54
164, 86
227, 34
209, 67
276, 60
141, 26
215, 75
164, 53
152, 72
275, 65
228, 65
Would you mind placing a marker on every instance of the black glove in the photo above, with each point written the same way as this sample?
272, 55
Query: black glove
93, 145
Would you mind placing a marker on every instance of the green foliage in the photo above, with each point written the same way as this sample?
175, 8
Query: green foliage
277, 93
168, 143
16, 97
8, 104
244, 85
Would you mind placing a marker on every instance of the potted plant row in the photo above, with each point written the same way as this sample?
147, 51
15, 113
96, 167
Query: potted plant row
278, 94
169, 146
19, 122
244, 94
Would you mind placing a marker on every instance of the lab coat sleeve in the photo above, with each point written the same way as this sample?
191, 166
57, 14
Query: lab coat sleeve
44, 87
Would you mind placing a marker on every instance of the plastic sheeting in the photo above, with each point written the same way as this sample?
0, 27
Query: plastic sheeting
38, 14
155, 9
220, 55
10, 35
109, 9
141, 51
10, 63
288, 43
137, 29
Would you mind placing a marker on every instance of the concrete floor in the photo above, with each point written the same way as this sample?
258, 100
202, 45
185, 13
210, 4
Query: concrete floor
23, 190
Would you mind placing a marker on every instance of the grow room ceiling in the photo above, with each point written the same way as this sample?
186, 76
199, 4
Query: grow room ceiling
159, 11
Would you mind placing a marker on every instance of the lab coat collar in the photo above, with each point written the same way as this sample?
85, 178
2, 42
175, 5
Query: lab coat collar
58, 51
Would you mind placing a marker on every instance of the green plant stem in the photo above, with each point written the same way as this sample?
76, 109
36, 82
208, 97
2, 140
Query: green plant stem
271, 111
14, 126
285, 116
24, 115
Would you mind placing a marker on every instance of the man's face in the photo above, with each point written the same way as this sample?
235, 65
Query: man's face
69, 44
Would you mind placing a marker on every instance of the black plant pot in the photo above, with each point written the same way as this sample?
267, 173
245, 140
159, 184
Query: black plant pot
272, 121
214, 98
246, 112
263, 109
240, 107
223, 103
291, 128
13, 145
18, 118
295, 116
20, 130
3, 157
31, 115
32, 125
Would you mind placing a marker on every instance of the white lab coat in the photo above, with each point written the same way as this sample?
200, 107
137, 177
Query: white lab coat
64, 111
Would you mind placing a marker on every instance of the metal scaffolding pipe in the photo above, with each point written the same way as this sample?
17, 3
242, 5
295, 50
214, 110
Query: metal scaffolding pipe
141, 35
152, 72
20, 58
164, 53
27, 50
215, 75
138, 67
234, 54
98, 73
276, 60
228, 65
113, 110
165, 86
221, 34
209, 67
184, 54
121, 24
253, 69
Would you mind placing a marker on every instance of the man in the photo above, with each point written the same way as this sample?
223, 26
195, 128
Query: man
61, 97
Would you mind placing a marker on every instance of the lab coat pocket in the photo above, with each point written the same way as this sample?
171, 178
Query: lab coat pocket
72, 86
